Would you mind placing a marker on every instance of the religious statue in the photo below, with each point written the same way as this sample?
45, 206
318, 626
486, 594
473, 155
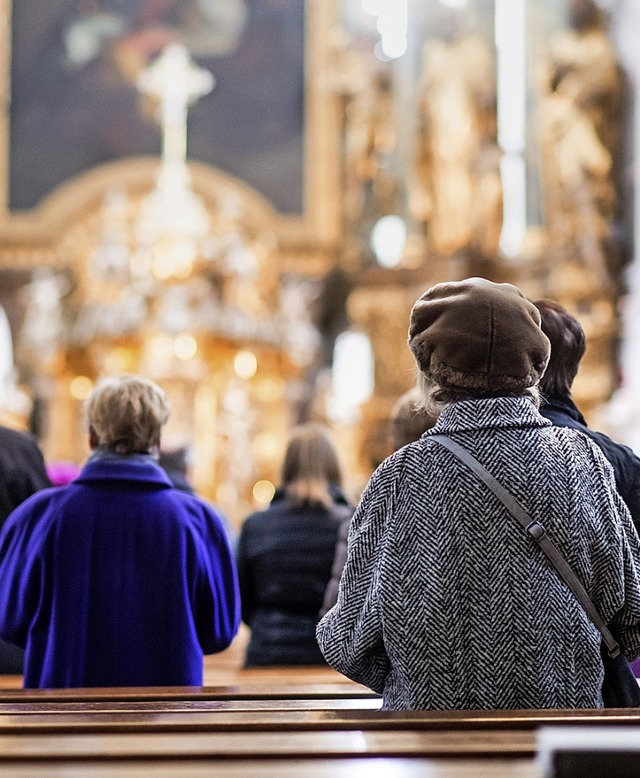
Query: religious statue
456, 193
579, 121
365, 89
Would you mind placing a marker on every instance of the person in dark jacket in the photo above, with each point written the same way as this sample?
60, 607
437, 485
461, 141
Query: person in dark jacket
285, 553
176, 462
22, 470
22, 473
117, 579
568, 346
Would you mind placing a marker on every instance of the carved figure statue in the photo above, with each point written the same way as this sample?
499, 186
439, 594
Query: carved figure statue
456, 194
579, 120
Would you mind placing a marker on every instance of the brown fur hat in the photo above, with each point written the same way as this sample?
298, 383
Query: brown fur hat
479, 335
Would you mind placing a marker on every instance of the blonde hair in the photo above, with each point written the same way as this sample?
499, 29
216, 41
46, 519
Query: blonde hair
127, 414
310, 466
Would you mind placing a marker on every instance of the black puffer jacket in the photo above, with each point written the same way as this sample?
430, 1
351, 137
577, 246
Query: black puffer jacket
284, 560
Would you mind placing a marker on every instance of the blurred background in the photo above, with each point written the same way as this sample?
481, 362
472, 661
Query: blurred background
242, 199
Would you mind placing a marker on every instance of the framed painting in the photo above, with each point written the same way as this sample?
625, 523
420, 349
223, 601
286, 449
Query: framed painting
73, 102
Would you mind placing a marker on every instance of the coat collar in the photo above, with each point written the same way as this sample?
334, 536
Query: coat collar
562, 404
123, 469
492, 413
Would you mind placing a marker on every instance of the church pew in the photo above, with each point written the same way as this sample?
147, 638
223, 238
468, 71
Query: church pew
108, 736
261, 721
259, 744
354, 767
429, 732
225, 680
277, 715
250, 690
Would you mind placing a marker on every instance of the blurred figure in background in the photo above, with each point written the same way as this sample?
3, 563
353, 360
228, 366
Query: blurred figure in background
22, 469
285, 553
177, 461
62, 472
22, 473
409, 419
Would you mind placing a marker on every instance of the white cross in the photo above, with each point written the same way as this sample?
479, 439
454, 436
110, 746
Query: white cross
178, 83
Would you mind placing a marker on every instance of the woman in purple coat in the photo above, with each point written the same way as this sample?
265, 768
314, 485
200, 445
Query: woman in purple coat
117, 579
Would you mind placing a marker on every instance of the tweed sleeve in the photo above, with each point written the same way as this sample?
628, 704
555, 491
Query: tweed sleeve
350, 635
616, 564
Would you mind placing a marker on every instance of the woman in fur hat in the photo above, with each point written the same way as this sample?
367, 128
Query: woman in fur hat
445, 601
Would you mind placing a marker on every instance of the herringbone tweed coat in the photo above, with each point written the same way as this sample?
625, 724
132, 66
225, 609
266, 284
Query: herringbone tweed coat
445, 602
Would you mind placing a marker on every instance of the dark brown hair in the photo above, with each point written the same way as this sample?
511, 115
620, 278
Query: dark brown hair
310, 466
568, 345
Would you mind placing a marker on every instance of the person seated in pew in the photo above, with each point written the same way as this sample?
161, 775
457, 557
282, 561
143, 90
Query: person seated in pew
445, 601
118, 579
176, 460
285, 552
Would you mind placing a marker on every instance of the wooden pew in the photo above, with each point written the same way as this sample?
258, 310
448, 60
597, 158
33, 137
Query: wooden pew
424, 732
283, 714
311, 743
258, 726
255, 728
355, 767
223, 716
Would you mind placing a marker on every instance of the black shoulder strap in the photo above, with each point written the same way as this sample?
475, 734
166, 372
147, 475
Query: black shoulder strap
536, 530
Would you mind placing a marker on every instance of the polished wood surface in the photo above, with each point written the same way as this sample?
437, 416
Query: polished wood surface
235, 691
265, 722
319, 767
273, 715
280, 744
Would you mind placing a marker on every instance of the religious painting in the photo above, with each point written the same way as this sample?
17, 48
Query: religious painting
75, 102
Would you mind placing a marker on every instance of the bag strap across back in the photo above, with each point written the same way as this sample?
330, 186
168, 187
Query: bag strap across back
537, 531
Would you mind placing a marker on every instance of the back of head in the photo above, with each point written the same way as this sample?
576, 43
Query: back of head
310, 466
126, 414
478, 337
409, 419
568, 345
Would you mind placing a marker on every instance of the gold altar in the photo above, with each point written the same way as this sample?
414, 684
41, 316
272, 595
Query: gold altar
238, 321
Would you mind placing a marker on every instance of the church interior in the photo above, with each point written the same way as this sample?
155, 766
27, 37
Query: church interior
242, 200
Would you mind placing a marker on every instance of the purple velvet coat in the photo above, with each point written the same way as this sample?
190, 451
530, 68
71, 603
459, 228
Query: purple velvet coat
116, 580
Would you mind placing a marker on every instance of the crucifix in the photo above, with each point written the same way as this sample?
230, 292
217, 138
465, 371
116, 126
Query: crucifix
177, 83
173, 217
